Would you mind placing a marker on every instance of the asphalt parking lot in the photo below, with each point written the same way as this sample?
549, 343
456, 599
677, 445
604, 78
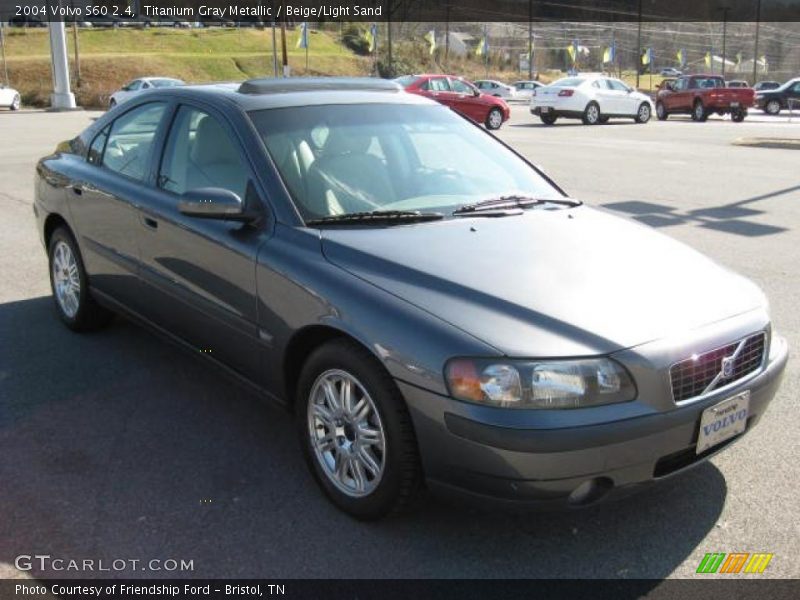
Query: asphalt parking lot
118, 445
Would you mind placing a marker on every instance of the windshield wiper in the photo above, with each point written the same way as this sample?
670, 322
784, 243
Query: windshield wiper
377, 217
510, 202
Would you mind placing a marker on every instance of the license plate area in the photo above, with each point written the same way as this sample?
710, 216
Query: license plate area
723, 421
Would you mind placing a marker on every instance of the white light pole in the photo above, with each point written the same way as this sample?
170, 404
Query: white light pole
62, 97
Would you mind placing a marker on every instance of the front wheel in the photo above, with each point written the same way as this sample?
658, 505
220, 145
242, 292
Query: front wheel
643, 114
494, 119
356, 432
661, 112
69, 283
16, 102
591, 115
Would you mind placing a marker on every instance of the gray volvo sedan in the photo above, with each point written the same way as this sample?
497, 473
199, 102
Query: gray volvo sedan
432, 308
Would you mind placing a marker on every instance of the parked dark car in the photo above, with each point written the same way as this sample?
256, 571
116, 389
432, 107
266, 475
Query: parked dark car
460, 95
737, 83
785, 97
766, 85
701, 96
430, 306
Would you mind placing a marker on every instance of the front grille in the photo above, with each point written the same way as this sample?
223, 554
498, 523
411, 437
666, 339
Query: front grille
693, 376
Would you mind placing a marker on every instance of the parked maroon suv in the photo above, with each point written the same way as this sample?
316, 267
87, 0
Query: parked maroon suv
461, 96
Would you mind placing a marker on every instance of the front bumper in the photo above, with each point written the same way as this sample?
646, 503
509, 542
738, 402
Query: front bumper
467, 455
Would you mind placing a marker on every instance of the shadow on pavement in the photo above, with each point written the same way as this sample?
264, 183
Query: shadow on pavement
117, 445
728, 218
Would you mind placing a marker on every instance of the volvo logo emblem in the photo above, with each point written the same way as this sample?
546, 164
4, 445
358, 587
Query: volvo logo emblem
727, 366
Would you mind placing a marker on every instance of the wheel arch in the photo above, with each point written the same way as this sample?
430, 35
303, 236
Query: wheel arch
51, 223
301, 345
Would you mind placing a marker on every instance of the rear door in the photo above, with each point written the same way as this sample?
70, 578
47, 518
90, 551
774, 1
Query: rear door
104, 196
199, 274
438, 88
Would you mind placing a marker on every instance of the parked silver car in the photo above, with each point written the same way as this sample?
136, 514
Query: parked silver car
431, 307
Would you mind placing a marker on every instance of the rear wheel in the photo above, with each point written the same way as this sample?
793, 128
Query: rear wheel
356, 432
548, 118
661, 112
591, 115
773, 107
16, 102
494, 119
699, 113
643, 114
68, 280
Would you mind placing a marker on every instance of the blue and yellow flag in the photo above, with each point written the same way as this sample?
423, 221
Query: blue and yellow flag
483, 47
371, 35
708, 60
302, 41
681, 57
647, 57
431, 38
609, 54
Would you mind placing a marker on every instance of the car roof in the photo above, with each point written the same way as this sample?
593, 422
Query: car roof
257, 94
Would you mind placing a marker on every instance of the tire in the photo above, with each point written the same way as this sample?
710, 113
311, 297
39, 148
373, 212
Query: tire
389, 481
773, 107
591, 114
16, 102
699, 112
738, 116
548, 119
661, 112
494, 119
643, 114
69, 284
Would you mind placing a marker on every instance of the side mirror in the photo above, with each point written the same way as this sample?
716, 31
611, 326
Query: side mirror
213, 203
476, 92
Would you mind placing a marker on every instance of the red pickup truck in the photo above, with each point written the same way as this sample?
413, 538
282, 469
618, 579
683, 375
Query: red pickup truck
701, 96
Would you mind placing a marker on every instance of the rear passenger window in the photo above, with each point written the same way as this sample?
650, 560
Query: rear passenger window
127, 150
200, 154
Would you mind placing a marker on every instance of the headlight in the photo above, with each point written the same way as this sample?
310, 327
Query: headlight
553, 384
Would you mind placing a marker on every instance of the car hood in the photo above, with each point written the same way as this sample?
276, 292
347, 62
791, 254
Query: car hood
564, 282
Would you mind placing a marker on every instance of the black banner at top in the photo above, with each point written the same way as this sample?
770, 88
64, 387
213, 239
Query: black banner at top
122, 12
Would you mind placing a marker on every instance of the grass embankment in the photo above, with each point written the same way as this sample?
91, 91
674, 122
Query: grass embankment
111, 57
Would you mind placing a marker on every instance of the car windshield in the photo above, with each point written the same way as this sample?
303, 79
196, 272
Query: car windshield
569, 82
350, 158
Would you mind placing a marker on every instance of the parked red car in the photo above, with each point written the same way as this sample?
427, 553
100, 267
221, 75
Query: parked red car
461, 96
701, 96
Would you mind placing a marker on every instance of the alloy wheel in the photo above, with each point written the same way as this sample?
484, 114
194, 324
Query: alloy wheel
66, 282
495, 119
773, 107
346, 433
592, 114
644, 113
15, 103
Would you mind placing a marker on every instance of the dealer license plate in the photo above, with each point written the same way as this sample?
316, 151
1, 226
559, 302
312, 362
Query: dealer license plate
723, 421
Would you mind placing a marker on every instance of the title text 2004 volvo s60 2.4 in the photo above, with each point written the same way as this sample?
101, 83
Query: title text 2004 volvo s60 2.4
432, 308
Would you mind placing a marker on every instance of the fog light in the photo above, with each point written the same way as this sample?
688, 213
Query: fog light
590, 491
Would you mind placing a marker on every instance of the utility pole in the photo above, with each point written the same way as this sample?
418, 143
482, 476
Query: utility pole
3, 53
77, 54
755, 48
530, 39
284, 53
724, 10
639, 46
274, 51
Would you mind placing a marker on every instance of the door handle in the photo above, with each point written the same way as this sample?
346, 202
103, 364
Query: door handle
150, 223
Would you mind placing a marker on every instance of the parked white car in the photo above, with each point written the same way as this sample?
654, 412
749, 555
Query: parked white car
496, 88
10, 97
524, 89
592, 98
137, 86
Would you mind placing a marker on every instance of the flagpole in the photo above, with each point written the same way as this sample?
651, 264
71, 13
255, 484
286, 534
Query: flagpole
274, 51
530, 39
755, 48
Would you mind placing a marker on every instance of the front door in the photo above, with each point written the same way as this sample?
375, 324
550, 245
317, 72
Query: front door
199, 274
